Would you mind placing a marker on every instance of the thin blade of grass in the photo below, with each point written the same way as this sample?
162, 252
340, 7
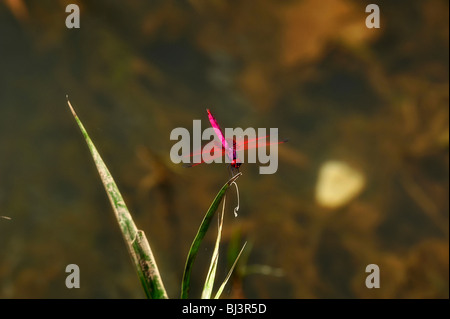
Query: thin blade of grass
209, 282
219, 292
137, 243
185, 284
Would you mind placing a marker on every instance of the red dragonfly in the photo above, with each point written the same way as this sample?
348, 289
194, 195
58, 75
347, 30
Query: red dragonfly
229, 147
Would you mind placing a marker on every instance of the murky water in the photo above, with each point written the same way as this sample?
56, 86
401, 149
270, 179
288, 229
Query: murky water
373, 99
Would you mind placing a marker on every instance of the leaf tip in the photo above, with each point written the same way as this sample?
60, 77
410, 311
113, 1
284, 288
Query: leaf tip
70, 106
235, 177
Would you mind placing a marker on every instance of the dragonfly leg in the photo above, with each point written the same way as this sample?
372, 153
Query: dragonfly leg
233, 170
229, 167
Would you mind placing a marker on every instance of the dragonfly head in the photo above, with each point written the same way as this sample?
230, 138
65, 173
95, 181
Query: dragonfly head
235, 163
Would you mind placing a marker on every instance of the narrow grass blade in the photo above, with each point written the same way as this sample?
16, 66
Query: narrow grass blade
209, 282
219, 292
135, 239
185, 284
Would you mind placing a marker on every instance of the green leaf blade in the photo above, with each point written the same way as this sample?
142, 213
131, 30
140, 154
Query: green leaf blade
222, 287
137, 243
185, 284
209, 282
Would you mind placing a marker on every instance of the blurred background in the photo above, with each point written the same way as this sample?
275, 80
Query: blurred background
364, 178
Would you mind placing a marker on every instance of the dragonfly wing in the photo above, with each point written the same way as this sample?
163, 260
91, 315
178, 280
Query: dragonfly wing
257, 142
209, 153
